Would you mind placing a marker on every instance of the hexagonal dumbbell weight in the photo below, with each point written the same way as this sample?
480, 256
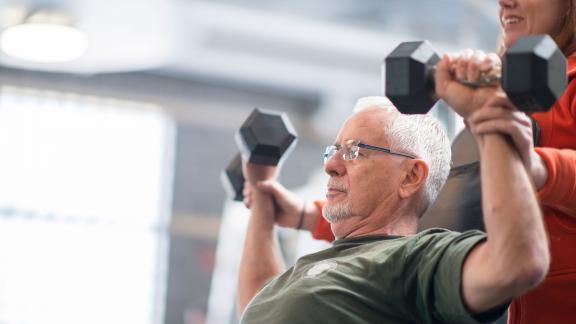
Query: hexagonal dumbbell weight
533, 75
233, 179
410, 77
264, 138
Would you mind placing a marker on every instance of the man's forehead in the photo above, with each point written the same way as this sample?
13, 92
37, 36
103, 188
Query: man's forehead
367, 125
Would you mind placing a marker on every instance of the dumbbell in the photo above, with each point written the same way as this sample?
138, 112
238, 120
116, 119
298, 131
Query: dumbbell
264, 138
533, 75
232, 178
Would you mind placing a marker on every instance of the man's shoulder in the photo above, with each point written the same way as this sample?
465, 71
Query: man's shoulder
435, 237
431, 233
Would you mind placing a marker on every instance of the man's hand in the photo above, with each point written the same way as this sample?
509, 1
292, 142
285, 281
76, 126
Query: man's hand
258, 172
465, 66
291, 210
500, 116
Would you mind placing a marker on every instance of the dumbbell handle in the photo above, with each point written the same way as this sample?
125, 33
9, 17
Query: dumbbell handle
487, 79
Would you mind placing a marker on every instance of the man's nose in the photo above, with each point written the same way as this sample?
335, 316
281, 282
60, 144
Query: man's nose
335, 165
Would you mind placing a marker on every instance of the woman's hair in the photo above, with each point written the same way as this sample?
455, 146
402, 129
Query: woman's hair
566, 39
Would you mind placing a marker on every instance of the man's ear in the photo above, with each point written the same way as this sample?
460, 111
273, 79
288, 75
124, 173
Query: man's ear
416, 173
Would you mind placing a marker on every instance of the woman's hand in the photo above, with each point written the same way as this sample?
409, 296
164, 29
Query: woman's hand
498, 115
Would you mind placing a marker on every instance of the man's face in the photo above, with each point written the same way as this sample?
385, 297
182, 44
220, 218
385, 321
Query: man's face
358, 187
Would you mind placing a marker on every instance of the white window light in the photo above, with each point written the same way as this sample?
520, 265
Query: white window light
84, 205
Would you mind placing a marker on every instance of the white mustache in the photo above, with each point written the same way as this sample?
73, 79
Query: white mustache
338, 186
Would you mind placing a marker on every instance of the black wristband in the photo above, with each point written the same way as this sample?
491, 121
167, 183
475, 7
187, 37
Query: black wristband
301, 221
536, 132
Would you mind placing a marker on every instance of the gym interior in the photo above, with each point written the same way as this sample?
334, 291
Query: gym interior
114, 135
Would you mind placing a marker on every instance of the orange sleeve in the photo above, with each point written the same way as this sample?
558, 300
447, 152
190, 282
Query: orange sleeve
559, 191
322, 231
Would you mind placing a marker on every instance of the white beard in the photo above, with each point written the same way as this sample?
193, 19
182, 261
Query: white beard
337, 212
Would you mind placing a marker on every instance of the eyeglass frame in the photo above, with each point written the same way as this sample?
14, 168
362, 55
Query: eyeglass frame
359, 145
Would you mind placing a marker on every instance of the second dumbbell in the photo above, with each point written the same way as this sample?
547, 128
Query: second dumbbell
533, 75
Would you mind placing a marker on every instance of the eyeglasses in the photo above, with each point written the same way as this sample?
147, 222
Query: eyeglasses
350, 150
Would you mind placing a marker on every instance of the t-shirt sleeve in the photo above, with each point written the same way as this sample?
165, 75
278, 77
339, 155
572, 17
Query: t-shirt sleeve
322, 231
439, 261
559, 191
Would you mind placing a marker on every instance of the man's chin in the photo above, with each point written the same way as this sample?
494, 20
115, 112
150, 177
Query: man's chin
336, 212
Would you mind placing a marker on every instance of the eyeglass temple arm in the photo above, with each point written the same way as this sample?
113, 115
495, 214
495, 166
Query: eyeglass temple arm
381, 149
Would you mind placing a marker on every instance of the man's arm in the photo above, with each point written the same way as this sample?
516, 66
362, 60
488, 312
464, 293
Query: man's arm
515, 257
261, 258
292, 211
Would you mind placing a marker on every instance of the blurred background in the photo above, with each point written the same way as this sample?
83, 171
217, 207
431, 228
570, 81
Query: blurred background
117, 117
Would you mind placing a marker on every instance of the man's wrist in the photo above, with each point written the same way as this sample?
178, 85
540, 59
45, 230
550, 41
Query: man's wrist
310, 216
302, 214
539, 171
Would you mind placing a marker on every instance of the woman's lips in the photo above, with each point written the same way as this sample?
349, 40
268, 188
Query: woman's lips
511, 20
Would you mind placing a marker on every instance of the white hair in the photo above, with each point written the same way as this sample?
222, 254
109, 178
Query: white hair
374, 102
420, 135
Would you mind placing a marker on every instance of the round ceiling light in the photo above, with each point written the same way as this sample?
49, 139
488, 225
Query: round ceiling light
44, 42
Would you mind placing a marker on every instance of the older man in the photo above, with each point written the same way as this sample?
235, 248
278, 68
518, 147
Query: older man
385, 169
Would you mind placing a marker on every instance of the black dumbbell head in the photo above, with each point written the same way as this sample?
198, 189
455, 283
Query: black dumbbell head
409, 79
265, 137
534, 73
232, 178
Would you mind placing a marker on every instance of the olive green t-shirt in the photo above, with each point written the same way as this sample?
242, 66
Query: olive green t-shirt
373, 279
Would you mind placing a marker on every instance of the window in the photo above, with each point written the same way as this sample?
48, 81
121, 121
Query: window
84, 204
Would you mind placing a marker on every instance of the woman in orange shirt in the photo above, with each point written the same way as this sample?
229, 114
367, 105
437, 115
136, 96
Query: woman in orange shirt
552, 164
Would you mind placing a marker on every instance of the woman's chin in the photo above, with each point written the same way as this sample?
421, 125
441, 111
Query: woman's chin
509, 40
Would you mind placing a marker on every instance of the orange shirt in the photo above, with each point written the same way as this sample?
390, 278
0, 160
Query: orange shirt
554, 301
322, 231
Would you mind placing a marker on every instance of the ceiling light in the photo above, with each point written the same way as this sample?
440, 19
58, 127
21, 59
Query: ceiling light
44, 37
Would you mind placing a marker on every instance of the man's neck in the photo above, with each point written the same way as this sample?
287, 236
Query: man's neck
399, 224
